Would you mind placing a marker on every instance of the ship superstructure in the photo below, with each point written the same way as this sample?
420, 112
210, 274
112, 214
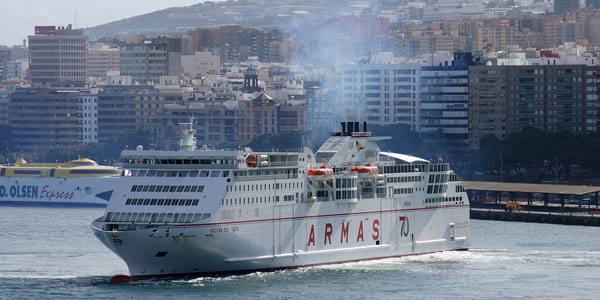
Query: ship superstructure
211, 211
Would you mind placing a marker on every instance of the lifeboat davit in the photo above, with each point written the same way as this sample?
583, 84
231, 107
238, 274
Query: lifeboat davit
366, 171
321, 174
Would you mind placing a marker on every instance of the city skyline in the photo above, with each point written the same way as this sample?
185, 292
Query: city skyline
21, 16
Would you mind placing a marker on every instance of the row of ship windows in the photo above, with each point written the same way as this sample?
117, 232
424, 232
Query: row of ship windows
460, 189
154, 173
168, 188
256, 200
404, 179
151, 161
263, 187
129, 217
345, 183
403, 191
416, 168
345, 194
172, 202
442, 200
436, 189
441, 178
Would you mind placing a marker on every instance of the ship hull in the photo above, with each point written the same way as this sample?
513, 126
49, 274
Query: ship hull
85, 191
291, 236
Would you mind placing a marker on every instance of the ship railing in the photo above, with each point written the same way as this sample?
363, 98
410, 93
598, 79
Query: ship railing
266, 177
368, 196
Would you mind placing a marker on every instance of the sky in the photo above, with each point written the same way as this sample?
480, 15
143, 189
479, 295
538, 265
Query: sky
19, 17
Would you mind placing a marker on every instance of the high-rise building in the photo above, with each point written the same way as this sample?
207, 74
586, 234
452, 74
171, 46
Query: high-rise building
445, 99
381, 93
561, 6
145, 61
235, 43
506, 99
58, 56
4, 59
103, 59
44, 119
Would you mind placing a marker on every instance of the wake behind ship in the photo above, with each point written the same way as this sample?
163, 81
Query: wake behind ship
206, 211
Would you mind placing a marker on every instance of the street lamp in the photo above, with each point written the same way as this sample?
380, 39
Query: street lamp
501, 168
555, 170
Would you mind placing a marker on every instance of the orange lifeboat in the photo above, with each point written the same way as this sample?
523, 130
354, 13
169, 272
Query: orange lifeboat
366, 171
321, 174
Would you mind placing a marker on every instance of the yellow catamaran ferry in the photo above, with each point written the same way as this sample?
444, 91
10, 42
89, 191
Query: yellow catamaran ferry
77, 182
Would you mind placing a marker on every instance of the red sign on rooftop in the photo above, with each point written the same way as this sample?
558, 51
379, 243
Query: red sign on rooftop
45, 29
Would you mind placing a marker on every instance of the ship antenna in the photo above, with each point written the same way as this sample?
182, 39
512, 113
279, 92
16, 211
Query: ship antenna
188, 141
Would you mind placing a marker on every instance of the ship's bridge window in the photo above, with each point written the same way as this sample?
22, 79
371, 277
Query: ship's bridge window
183, 174
171, 173
215, 173
160, 174
187, 161
141, 173
225, 173
193, 173
195, 161
164, 161
204, 173
151, 173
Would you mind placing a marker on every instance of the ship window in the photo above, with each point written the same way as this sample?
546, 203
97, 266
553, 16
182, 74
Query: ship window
200, 188
187, 161
188, 202
167, 201
133, 188
154, 217
122, 217
195, 162
197, 218
193, 174
128, 202
152, 188
127, 218
146, 201
183, 174
189, 218
133, 172
193, 189
181, 202
153, 201
215, 173
161, 201
145, 188
141, 173
147, 217
179, 162
161, 218
181, 218
140, 217
180, 188
175, 202
151, 173
195, 202
171, 174
158, 188
171, 162
187, 189
108, 217
225, 173
160, 174
175, 218
205, 216
173, 189
169, 218
204, 174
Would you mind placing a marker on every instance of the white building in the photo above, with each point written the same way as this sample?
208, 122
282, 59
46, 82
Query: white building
88, 103
201, 63
380, 93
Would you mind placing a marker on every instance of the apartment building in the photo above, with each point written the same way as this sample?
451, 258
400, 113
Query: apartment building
58, 55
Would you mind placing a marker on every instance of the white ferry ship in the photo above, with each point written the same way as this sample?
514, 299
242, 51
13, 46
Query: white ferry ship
193, 211
80, 182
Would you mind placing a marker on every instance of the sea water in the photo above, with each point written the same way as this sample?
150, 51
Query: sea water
51, 253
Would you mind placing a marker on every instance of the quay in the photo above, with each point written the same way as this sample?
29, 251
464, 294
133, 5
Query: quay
538, 203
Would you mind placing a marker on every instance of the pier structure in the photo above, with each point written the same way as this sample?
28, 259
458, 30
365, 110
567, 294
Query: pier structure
540, 203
